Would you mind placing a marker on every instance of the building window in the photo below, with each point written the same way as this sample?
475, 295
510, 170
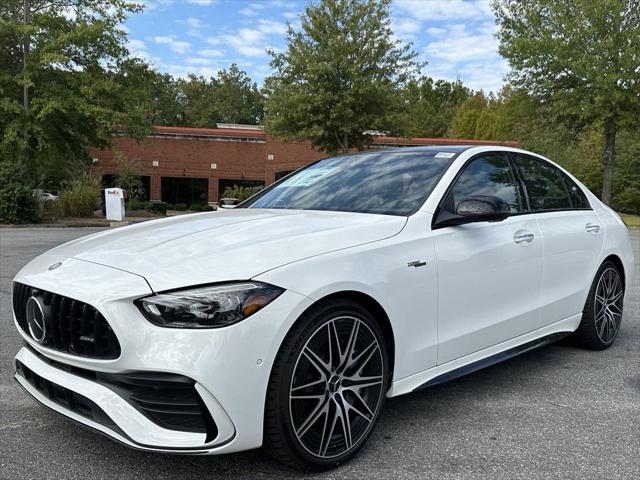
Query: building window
280, 175
190, 191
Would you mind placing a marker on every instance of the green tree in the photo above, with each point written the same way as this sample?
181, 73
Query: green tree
464, 123
17, 203
164, 96
229, 97
197, 98
65, 83
580, 55
338, 76
429, 106
238, 100
129, 178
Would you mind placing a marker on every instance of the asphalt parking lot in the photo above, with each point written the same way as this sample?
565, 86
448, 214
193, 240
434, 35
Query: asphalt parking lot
557, 412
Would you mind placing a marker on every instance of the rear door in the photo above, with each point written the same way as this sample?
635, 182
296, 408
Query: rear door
572, 236
489, 273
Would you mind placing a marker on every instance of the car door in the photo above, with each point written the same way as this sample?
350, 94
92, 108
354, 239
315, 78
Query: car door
489, 273
571, 232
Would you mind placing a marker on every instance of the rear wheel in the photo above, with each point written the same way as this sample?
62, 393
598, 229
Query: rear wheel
602, 313
327, 387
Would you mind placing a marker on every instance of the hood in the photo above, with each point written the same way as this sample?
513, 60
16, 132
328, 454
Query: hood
225, 245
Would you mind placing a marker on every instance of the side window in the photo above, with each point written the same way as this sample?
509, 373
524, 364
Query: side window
487, 175
578, 198
545, 186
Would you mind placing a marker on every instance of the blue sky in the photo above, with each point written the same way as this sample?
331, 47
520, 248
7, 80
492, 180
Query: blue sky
455, 37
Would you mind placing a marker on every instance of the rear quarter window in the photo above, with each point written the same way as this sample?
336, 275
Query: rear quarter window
577, 196
545, 186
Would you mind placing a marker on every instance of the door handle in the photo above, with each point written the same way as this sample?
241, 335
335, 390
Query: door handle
592, 228
523, 236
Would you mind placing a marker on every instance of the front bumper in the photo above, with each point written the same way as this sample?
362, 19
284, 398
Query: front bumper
230, 367
116, 417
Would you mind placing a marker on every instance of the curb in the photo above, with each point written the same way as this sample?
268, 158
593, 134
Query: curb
87, 224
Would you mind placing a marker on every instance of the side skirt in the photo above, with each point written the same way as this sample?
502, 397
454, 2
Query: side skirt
492, 360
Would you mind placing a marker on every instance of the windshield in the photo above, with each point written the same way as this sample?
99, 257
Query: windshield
391, 183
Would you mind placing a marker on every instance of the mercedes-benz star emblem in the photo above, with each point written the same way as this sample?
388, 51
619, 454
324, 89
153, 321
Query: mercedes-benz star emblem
35, 318
55, 265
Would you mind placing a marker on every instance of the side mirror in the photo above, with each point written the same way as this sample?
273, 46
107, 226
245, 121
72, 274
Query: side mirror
482, 207
474, 208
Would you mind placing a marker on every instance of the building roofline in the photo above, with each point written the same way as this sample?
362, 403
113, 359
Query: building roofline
207, 132
384, 140
241, 131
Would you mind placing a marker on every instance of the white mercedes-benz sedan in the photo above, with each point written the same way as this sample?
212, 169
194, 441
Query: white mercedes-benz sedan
286, 321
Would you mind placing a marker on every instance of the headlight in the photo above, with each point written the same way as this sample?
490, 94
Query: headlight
213, 306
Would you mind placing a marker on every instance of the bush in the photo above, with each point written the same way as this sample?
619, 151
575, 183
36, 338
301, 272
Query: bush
17, 203
81, 198
628, 200
50, 211
198, 207
181, 207
241, 193
158, 207
137, 205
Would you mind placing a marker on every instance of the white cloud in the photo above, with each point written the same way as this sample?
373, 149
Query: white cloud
246, 41
210, 52
405, 26
445, 9
163, 39
251, 42
290, 15
137, 44
178, 46
138, 49
247, 12
468, 51
459, 44
283, 4
272, 27
192, 22
204, 3
487, 75
198, 61
183, 70
436, 31
150, 5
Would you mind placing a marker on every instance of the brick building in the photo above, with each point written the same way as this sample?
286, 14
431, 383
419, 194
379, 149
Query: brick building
195, 165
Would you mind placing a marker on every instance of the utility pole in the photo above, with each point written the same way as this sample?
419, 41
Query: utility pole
25, 88
25, 53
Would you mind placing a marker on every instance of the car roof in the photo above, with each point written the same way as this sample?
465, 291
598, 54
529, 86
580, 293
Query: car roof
433, 148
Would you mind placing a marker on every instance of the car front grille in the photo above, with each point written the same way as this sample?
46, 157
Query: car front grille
72, 326
69, 399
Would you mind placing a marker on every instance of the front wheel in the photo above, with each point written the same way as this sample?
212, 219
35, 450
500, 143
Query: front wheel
602, 312
327, 387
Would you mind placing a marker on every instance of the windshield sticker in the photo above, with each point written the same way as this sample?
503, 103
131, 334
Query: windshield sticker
307, 177
444, 155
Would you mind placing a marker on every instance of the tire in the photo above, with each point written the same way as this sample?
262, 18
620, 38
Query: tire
603, 310
310, 392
